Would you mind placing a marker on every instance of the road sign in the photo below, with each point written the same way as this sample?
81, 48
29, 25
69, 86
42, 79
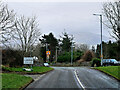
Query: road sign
28, 60
48, 52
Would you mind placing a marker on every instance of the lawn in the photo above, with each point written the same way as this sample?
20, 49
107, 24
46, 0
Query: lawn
35, 69
14, 80
111, 70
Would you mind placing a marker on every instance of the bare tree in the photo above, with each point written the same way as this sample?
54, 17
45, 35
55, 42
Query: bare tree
26, 33
88, 55
112, 13
6, 23
84, 47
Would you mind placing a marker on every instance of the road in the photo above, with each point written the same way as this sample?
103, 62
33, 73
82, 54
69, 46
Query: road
75, 77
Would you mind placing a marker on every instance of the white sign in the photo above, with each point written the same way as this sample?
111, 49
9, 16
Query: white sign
28, 60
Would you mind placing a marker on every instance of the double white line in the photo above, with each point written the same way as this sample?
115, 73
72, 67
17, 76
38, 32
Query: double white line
75, 71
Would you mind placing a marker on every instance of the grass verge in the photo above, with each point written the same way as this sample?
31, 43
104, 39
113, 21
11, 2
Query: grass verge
38, 70
111, 70
14, 81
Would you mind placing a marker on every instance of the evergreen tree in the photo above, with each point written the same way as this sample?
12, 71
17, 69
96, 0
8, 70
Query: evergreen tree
93, 49
110, 50
51, 43
66, 42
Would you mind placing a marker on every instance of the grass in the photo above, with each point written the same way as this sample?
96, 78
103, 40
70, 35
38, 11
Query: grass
111, 70
14, 81
35, 69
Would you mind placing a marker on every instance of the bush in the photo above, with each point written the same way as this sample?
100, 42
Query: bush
12, 57
66, 57
96, 61
88, 56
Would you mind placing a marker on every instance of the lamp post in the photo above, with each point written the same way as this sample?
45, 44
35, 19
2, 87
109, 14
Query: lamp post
100, 15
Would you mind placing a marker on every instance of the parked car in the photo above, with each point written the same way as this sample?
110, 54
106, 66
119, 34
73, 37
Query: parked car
46, 64
110, 62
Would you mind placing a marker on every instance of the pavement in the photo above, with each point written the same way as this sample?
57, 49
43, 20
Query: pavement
82, 78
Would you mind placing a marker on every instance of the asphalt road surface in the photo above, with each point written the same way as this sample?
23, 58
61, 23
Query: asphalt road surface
75, 77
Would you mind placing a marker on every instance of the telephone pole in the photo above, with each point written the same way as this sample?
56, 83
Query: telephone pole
72, 53
46, 53
56, 53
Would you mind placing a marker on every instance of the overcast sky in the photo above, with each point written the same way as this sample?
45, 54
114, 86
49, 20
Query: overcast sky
75, 17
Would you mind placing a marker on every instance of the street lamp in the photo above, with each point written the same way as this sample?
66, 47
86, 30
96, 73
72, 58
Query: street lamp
101, 34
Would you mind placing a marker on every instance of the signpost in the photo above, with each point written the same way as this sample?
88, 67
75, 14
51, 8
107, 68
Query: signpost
28, 60
48, 53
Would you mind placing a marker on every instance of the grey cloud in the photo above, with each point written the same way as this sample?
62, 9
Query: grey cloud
89, 38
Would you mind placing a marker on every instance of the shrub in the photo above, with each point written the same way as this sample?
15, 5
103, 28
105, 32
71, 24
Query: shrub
96, 61
66, 57
88, 56
12, 57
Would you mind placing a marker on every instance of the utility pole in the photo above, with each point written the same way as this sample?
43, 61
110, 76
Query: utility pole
72, 53
46, 51
101, 34
56, 53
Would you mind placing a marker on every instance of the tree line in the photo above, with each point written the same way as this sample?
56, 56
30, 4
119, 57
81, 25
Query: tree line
20, 36
110, 50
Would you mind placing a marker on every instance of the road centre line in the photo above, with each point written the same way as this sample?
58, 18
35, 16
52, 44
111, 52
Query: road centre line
79, 80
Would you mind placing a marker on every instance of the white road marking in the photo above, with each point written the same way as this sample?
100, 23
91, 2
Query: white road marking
39, 77
79, 80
